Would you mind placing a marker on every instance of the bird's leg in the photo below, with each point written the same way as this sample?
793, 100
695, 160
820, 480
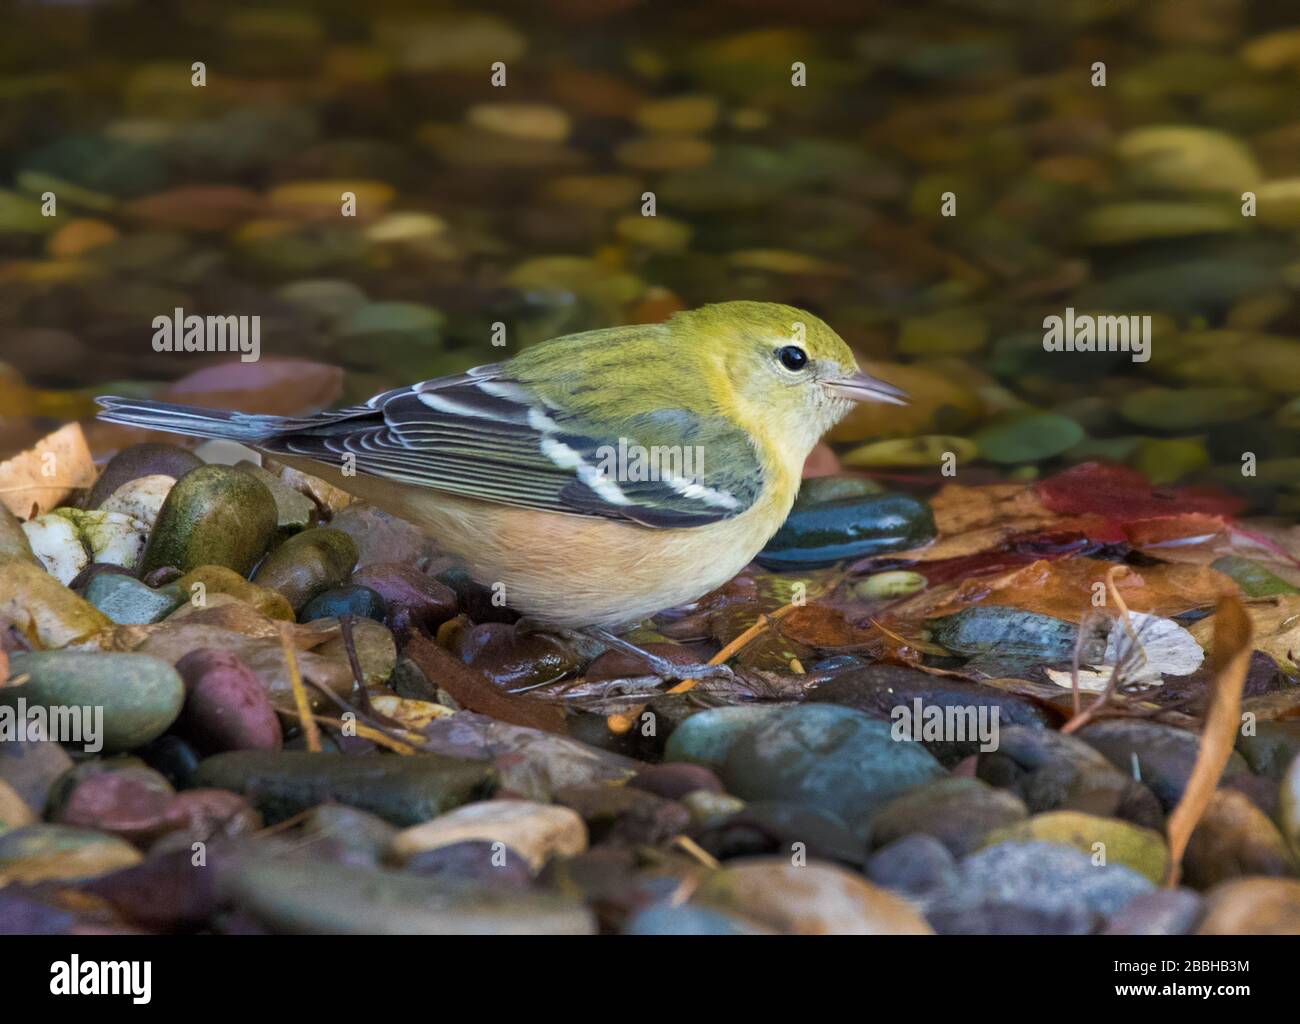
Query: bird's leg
593, 641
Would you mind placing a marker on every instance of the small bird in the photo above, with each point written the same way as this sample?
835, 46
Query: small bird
598, 477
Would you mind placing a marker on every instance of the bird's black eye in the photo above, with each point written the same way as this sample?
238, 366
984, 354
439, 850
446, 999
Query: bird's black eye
792, 357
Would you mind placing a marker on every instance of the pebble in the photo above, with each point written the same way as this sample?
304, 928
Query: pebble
411, 597
1234, 838
294, 510
959, 812
914, 865
137, 461
361, 602
226, 706
1106, 840
536, 831
887, 586
513, 660
1252, 906
140, 499
215, 515
848, 528
473, 862
815, 899
127, 601
44, 608
781, 828
307, 564
401, 790
200, 585
30, 768
623, 815
1008, 632
140, 696
1187, 159
1159, 912
64, 853
674, 781
706, 738
828, 757
532, 121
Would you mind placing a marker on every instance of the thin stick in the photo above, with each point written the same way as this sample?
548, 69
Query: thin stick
361, 729
310, 732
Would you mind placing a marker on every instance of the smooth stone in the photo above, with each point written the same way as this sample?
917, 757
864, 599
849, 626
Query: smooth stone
1234, 838
1187, 409
959, 812
226, 705
473, 862
1159, 912
64, 853
411, 597
622, 815
815, 899
127, 601
197, 585
401, 790
31, 768
173, 758
687, 920
1051, 771
1027, 437
215, 515
307, 564
57, 544
307, 897
821, 489
13, 539
914, 865
781, 829
888, 586
706, 738
129, 801
140, 499
674, 781
140, 696
511, 659
1046, 878
1160, 755
140, 460
294, 510
1106, 840
891, 692
110, 538
1271, 748
375, 648
381, 538
1252, 906
345, 835
848, 528
829, 757
1009, 632
1187, 159
360, 602
537, 831
42, 607
709, 809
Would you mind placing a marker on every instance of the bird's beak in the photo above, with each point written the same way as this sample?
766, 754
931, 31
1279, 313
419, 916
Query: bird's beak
862, 387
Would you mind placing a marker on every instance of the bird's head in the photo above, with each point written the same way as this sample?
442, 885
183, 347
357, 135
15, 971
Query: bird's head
786, 366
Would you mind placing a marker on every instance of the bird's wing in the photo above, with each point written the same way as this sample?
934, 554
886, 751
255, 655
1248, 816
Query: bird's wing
482, 435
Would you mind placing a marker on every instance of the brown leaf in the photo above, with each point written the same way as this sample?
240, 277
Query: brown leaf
1276, 623
1230, 659
472, 689
38, 479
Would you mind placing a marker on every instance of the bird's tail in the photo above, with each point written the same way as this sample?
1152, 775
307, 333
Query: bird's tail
191, 419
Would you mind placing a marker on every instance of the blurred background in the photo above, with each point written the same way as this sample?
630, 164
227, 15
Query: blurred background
524, 205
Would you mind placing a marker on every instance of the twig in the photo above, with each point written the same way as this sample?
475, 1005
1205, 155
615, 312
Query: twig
310, 732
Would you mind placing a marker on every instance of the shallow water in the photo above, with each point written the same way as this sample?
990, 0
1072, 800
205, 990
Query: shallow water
935, 182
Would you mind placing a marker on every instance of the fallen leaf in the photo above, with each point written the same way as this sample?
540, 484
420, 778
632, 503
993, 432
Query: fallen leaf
38, 479
1276, 623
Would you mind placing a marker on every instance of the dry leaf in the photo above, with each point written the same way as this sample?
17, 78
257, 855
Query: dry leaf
1276, 622
1230, 658
41, 477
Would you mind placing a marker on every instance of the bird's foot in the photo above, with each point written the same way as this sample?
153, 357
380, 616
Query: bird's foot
660, 665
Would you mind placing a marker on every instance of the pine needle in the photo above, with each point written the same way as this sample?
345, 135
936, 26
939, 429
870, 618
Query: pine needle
309, 729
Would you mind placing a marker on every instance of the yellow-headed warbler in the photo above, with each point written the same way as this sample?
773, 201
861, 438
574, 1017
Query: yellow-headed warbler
600, 477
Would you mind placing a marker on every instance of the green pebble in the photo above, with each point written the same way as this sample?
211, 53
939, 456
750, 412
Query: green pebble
129, 602
307, 564
884, 586
293, 509
1027, 437
1120, 842
820, 489
141, 696
215, 515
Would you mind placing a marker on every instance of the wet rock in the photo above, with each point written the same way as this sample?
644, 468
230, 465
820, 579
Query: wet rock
1272, 747
674, 781
308, 897
1051, 771
827, 756
1106, 840
914, 865
537, 831
346, 835
226, 706
1159, 912
1234, 838
815, 899
215, 515
1160, 755
621, 814
197, 585
778, 828
846, 528
173, 758
706, 738
887, 586
374, 646
473, 862
1252, 906
129, 801
139, 461
40, 607
401, 790
360, 602
412, 598
140, 696
31, 767
614, 664
140, 499
127, 601
307, 564
1008, 632
294, 510
959, 812
997, 886
511, 659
